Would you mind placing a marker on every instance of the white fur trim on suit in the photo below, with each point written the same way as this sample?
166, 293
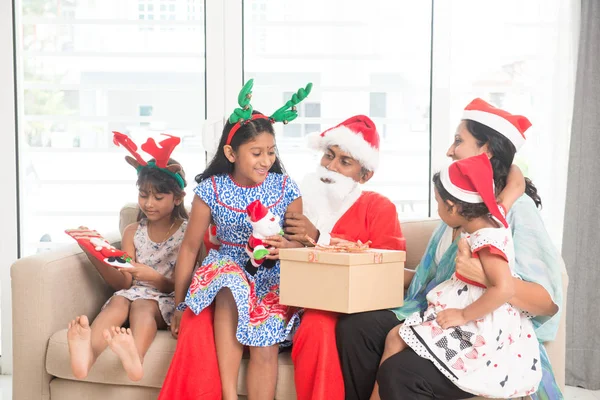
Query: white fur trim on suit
348, 141
497, 123
460, 194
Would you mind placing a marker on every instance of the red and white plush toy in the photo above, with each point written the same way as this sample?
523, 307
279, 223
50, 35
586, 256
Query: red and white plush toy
264, 224
99, 247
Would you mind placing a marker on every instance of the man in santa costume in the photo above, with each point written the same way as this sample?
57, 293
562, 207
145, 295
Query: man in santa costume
336, 209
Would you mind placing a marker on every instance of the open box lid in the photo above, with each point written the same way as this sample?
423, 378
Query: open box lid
371, 256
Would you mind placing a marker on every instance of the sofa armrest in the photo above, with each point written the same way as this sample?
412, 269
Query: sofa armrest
48, 291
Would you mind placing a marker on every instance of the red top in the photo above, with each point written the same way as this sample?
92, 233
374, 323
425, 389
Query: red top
372, 217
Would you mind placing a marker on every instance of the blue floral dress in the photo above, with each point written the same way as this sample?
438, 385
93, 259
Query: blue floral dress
262, 321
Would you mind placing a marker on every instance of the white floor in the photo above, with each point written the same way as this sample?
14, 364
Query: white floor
572, 393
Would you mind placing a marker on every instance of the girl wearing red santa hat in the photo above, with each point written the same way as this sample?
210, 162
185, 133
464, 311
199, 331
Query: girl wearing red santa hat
470, 332
246, 309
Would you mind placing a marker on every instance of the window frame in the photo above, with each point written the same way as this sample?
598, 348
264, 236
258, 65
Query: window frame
9, 209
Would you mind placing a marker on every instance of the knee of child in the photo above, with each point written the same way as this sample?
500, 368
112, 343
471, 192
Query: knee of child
141, 308
120, 301
224, 298
265, 355
392, 335
393, 340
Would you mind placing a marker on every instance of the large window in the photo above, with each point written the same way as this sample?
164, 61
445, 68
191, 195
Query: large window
519, 56
84, 69
371, 60
382, 60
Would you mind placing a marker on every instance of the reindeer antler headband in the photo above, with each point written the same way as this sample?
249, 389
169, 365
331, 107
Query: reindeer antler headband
243, 115
161, 153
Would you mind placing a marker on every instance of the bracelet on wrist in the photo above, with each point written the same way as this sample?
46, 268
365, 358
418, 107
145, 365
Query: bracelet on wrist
181, 306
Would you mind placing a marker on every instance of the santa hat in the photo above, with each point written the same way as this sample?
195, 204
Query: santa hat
357, 135
513, 127
256, 211
472, 181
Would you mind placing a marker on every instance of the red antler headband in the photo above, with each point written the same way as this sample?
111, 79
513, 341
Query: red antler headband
161, 153
243, 115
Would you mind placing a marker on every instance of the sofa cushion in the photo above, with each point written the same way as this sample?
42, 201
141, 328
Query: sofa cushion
65, 389
108, 369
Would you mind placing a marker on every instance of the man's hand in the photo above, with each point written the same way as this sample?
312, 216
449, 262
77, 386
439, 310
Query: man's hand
451, 317
467, 265
296, 227
175, 321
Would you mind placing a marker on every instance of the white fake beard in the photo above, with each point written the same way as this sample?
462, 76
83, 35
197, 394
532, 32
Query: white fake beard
337, 188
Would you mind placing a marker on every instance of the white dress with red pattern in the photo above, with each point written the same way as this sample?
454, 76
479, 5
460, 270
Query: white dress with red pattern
496, 356
262, 321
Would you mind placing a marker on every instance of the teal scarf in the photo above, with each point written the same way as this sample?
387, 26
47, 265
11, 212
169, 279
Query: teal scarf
536, 261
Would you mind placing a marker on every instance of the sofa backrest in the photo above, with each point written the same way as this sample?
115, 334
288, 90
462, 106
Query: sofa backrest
417, 234
127, 216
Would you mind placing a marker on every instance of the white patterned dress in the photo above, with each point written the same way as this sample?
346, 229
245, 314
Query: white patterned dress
161, 257
495, 356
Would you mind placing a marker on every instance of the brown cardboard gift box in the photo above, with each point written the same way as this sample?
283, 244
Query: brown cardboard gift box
342, 282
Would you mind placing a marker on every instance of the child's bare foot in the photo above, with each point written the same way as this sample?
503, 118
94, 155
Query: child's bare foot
80, 346
121, 342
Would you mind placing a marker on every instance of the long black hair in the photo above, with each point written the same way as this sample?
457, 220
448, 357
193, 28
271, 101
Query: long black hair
161, 182
465, 210
248, 131
503, 154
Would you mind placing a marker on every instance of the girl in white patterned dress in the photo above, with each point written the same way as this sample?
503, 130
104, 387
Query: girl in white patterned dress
479, 341
145, 293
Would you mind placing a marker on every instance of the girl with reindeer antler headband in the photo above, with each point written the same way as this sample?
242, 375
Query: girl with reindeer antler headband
144, 293
246, 168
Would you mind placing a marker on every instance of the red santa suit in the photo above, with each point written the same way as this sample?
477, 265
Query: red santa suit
353, 215
358, 215
317, 370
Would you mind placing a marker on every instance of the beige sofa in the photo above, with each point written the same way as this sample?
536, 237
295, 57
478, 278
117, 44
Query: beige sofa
48, 290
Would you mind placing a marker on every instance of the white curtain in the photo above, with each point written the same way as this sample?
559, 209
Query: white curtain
520, 56
547, 149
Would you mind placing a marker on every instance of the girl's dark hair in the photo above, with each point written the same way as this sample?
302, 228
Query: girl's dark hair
248, 131
466, 210
503, 153
161, 182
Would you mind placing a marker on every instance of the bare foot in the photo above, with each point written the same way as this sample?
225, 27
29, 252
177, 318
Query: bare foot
80, 346
121, 342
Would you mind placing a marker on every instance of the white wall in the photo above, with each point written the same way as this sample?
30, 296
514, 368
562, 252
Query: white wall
8, 179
